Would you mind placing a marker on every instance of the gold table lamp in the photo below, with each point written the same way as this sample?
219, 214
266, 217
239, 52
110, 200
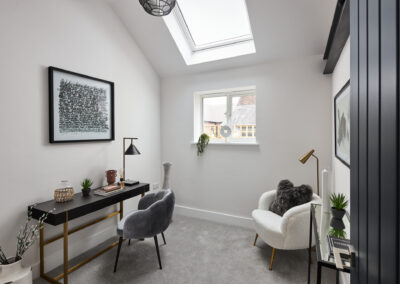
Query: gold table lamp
305, 158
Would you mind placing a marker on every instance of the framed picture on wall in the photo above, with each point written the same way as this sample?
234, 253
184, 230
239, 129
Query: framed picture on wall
342, 124
81, 108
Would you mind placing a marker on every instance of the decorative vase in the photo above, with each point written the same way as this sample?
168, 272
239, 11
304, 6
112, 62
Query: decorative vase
337, 224
85, 192
167, 169
336, 213
15, 273
111, 176
64, 192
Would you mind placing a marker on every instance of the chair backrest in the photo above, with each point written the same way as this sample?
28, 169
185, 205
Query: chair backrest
161, 210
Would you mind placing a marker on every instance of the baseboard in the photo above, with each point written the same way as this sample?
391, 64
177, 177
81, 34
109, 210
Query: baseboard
218, 217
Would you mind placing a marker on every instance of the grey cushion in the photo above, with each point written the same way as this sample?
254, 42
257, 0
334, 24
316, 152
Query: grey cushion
153, 216
288, 196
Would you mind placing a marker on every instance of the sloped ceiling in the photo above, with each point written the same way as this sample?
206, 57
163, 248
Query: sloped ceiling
282, 29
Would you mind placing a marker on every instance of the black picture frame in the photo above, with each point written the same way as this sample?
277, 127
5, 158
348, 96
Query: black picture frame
338, 95
52, 136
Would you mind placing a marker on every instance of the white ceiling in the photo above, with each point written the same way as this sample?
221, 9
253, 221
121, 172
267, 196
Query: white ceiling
282, 29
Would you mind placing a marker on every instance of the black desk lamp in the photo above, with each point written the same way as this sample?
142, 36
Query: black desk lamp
132, 150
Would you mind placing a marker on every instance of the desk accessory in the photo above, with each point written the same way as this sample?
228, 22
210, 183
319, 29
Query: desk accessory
339, 204
305, 158
111, 176
64, 193
132, 150
167, 170
86, 184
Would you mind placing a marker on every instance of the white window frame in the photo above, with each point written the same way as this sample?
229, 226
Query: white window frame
193, 54
194, 47
229, 94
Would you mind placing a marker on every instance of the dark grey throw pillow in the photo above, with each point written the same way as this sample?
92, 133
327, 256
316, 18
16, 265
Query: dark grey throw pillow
288, 196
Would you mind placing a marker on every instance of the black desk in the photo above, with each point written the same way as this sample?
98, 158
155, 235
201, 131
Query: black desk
79, 206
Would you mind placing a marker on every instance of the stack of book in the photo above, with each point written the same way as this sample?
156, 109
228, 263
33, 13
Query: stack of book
339, 249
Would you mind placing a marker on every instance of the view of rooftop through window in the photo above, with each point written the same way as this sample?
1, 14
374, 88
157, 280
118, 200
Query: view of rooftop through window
211, 22
238, 112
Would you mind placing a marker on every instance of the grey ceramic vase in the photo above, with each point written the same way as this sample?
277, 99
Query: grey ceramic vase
167, 169
338, 214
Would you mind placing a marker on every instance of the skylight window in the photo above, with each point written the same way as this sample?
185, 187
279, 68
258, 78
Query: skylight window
211, 22
209, 30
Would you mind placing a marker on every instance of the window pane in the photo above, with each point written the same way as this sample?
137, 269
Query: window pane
243, 118
214, 116
211, 21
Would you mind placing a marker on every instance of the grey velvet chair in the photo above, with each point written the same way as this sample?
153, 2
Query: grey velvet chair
153, 217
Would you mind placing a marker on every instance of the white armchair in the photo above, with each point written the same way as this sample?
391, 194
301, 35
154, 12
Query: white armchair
287, 232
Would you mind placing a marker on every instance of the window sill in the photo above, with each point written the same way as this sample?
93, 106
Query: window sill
231, 143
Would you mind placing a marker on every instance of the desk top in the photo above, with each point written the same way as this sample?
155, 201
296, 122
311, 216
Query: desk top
81, 206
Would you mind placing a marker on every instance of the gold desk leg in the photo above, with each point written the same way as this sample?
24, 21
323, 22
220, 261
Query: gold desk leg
121, 210
41, 247
255, 240
272, 258
66, 249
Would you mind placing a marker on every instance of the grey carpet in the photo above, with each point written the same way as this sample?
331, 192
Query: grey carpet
198, 251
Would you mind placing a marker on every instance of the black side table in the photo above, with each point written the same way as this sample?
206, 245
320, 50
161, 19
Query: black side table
322, 229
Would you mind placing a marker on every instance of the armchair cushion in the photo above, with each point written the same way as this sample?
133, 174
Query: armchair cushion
288, 196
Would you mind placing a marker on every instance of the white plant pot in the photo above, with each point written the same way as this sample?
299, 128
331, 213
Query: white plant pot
15, 273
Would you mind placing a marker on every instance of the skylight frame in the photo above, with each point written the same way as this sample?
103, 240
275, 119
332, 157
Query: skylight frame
194, 47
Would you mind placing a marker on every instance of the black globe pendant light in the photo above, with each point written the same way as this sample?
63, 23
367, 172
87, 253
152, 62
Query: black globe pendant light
158, 8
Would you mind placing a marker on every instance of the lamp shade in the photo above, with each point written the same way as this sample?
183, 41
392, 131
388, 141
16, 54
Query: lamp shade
305, 158
132, 150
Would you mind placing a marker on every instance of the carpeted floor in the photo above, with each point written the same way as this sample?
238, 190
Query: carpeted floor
199, 251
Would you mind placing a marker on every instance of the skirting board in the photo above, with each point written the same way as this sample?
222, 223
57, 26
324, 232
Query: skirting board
218, 217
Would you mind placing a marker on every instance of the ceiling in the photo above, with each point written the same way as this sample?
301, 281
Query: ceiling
282, 29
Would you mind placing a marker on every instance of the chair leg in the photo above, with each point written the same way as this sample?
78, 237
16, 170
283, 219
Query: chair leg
162, 234
158, 252
129, 242
272, 258
118, 250
255, 240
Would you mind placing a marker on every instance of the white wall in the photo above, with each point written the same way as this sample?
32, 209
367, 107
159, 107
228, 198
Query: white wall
340, 76
85, 37
293, 116
340, 172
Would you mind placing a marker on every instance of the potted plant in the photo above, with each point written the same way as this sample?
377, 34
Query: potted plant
202, 143
11, 269
86, 184
339, 204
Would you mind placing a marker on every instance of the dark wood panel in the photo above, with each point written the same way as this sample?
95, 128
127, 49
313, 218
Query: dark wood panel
373, 176
335, 22
389, 141
375, 140
354, 90
338, 35
81, 206
363, 142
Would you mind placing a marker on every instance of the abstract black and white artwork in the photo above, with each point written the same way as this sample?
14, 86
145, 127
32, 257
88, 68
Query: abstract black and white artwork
342, 125
81, 107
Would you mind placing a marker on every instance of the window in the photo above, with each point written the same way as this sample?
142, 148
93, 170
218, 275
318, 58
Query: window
227, 116
211, 23
208, 30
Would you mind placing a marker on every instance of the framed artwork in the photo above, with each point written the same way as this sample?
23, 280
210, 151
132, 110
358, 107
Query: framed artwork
81, 108
342, 124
